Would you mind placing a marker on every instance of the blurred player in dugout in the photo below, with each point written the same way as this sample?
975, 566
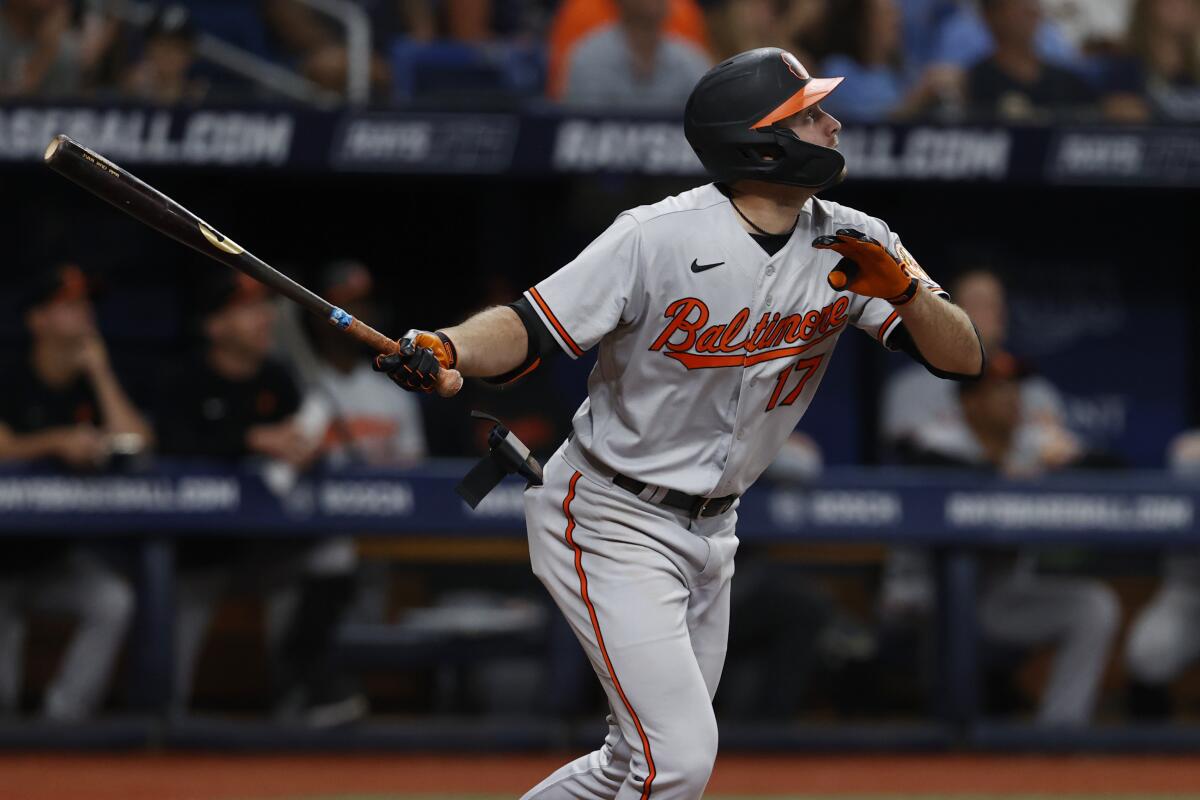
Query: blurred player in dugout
364, 424
1010, 422
232, 402
64, 405
1164, 638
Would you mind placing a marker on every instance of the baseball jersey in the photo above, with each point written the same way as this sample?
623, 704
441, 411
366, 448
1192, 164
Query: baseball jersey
370, 423
710, 349
29, 405
913, 398
208, 415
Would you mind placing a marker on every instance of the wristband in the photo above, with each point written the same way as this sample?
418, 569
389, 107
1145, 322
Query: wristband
905, 296
451, 350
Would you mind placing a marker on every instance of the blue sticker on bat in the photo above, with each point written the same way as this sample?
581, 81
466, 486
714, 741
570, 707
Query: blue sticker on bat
340, 318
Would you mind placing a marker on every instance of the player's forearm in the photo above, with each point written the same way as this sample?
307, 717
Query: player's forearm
29, 446
490, 343
943, 333
118, 412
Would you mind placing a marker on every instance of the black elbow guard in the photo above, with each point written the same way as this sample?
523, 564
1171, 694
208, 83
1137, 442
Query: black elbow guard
541, 343
901, 339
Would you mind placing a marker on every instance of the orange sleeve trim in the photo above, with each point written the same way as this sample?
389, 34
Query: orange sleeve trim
537, 362
887, 323
583, 592
559, 329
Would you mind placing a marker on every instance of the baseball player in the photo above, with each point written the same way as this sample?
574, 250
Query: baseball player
716, 312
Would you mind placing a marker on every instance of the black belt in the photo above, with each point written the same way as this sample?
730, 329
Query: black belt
691, 504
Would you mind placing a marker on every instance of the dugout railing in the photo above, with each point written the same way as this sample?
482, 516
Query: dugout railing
953, 514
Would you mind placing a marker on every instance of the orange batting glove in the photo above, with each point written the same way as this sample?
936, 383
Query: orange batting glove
867, 268
421, 362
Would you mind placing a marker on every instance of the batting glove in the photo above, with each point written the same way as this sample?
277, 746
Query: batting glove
419, 358
867, 268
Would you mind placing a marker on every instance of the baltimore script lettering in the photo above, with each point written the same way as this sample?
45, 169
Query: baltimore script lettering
718, 345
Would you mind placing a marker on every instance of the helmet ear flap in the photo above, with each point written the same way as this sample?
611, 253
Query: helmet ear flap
763, 153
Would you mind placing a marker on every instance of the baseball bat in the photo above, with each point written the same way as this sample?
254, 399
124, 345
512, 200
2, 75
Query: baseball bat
149, 206
146, 204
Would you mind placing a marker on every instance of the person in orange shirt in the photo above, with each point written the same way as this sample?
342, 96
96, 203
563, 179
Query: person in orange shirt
577, 18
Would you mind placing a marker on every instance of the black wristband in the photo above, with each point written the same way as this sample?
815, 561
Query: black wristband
906, 295
451, 350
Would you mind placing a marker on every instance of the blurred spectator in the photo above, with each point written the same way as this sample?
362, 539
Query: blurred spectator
736, 26
1164, 639
369, 421
964, 38
1018, 606
913, 397
993, 430
739, 25
576, 19
1161, 62
163, 75
867, 48
40, 49
1015, 82
1009, 422
234, 403
1091, 27
317, 48
922, 21
632, 64
64, 404
804, 24
467, 21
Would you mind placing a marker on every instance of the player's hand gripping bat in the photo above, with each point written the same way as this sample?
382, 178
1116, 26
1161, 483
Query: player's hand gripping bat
144, 203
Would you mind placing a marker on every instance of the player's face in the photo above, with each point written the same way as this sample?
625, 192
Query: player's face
66, 321
1173, 15
814, 125
1014, 21
245, 328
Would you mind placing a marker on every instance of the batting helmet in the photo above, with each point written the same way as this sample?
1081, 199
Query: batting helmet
730, 121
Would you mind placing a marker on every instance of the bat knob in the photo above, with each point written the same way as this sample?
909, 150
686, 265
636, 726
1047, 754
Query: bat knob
52, 148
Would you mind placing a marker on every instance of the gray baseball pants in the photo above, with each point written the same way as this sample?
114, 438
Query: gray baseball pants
83, 586
646, 590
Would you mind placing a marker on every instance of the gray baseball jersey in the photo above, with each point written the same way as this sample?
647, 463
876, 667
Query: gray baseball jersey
710, 349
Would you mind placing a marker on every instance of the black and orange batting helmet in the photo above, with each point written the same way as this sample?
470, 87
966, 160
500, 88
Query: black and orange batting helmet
731, 121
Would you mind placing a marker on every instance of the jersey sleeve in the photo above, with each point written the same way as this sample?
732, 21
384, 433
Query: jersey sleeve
877, 317
592, 295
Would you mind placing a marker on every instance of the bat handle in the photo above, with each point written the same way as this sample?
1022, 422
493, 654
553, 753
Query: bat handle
361, 331
449, 380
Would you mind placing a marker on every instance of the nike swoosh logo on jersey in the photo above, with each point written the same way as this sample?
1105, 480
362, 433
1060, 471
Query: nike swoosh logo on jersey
701, 267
